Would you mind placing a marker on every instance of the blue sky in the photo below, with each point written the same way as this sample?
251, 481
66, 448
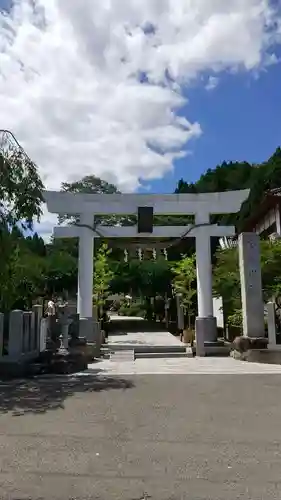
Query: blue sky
240, 120
70, 89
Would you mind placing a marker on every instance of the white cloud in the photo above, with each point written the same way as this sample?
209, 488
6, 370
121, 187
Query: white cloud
46, 225
70, 78
212, 83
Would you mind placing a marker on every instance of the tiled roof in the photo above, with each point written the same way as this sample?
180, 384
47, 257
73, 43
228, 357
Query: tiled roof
275, 191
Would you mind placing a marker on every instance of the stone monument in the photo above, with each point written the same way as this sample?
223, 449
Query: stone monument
251, 285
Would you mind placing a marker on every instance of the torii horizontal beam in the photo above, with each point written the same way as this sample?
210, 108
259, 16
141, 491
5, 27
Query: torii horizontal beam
122, 204
158, 231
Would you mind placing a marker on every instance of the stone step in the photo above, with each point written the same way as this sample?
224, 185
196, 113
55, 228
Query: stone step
148, 355
154, 355
121, 356
143, 348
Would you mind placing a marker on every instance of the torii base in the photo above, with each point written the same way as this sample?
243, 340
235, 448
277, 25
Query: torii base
207, 343
207, 328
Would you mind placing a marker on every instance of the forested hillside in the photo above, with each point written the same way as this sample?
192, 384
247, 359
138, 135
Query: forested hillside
235, 175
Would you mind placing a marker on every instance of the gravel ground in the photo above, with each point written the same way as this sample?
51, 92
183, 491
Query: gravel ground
173, 436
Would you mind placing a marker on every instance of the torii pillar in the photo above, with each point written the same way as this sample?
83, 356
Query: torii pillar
85, 267
206, 323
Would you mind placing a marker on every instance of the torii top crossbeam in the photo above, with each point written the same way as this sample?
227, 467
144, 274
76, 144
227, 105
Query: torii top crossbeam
121, 204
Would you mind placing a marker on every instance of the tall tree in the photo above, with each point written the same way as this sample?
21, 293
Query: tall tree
93, 185
21, 188
103, 275
226, 277
21, 196
184, 283
238, 175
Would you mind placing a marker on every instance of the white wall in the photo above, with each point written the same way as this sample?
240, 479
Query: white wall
218, 311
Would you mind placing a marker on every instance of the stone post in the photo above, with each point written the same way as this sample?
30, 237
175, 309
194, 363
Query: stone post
180, 313
73, 330
15, 335
37, 312
64, 322
91, 331
86, 329
167, 310
271, 324
1, 333
251, 285
95, 312
27, 331
43, 334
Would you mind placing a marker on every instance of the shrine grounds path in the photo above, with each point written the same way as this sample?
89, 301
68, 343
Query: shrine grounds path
172, 435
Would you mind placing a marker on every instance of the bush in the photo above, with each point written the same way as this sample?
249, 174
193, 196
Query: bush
235, 319
133, 309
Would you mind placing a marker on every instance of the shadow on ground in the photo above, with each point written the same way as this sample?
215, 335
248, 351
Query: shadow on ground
43, 394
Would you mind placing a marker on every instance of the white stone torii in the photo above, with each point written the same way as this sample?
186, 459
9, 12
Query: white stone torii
201, 205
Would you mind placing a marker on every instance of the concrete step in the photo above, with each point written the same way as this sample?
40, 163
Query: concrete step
143, 347
121, 356
150, 355
154, 355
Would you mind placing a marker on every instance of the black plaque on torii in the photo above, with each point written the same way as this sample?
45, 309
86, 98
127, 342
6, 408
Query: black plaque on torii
145, 220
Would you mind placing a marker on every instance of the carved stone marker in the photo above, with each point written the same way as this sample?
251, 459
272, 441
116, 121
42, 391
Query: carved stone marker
251, 285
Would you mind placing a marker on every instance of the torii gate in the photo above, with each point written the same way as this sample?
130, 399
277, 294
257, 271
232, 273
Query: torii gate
200, 205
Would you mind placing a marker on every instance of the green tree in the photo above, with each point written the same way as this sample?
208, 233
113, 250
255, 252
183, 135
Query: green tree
145, 278
184, 283
36, 245
94, 185
226, 276
21, 275
226, 280
60, 271
21, 196
21, 189
103, 275
238, 175
127, 277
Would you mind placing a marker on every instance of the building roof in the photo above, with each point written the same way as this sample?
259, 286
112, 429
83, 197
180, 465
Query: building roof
275, 191
271, 199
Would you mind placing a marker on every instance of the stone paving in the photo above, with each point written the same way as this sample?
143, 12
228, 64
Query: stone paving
187, 365
152, 428
207, 366
117, 437
155, 339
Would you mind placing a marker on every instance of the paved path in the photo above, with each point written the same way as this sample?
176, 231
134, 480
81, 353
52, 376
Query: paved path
113, 438
157, 426
114, 317
207, 366
155, 339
